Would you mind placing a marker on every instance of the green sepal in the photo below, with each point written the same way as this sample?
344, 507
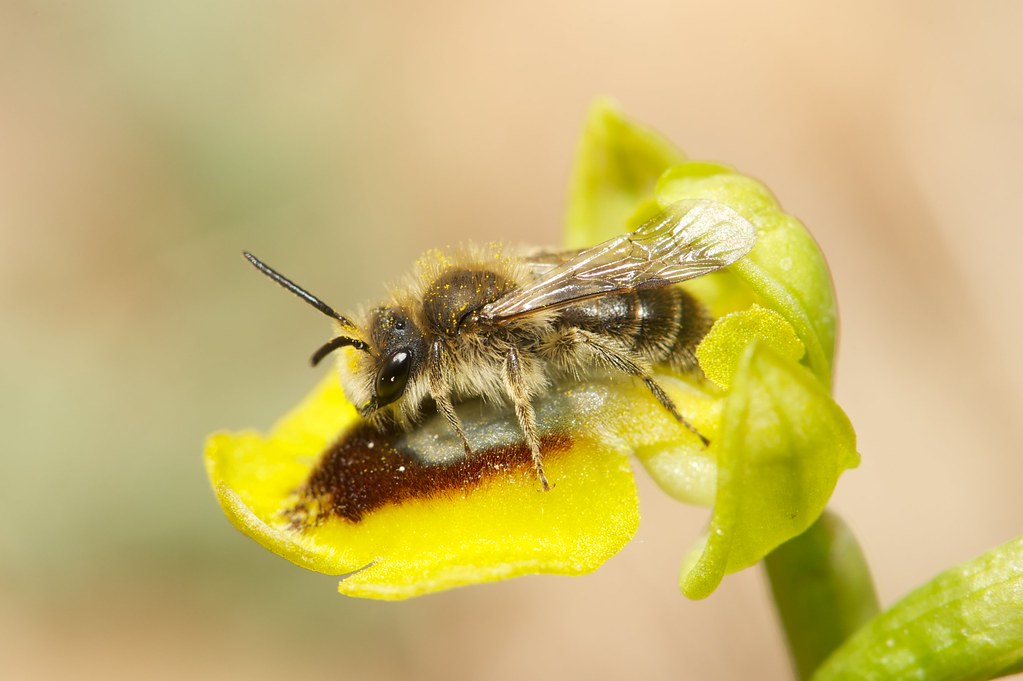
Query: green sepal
617, 165
782, 445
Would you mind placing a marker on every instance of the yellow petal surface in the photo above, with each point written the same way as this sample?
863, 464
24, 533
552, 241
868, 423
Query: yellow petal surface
721, 349
409, 514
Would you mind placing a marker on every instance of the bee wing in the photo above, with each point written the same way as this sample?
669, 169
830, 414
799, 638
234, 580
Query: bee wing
542, 262
690, 238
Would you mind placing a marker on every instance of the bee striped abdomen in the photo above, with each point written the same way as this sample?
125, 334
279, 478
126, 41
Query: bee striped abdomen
661, 325
695, 322
658, 314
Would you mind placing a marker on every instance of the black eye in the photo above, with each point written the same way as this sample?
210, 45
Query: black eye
393, 376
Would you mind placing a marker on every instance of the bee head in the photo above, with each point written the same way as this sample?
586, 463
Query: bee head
396, 353
390, 353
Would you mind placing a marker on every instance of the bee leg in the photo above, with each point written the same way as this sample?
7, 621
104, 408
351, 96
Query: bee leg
663, 398
515, 385
441, 395
619, 358
448, 409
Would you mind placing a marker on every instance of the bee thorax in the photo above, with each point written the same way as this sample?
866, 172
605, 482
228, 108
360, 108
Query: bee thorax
456, 295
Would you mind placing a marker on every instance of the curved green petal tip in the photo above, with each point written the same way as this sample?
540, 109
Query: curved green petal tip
451, 525
783, 443
965, 624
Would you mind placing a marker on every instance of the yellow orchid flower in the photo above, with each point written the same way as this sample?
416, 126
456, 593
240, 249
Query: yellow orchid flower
399, 514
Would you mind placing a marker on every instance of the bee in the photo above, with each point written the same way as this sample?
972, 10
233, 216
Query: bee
500, 326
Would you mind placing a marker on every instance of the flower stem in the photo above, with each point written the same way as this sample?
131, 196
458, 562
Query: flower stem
822, 590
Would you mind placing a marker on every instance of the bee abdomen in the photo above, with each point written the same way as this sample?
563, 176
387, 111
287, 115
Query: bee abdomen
662, 325
694, 323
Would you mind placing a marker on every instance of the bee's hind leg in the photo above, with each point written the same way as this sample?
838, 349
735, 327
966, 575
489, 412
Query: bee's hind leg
663, 398
515, 385
620, 359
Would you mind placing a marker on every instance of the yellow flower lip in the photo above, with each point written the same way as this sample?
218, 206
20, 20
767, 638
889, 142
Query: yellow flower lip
404, 514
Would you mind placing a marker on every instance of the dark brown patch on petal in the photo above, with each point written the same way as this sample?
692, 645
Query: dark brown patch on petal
365, 470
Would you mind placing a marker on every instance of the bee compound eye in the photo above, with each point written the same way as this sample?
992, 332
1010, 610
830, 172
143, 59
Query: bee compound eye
393, 376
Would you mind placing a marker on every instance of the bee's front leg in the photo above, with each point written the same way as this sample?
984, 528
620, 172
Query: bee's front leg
515, 385
441, 393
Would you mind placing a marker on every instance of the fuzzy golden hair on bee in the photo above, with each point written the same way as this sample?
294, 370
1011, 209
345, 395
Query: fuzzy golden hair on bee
434, 275
489, 323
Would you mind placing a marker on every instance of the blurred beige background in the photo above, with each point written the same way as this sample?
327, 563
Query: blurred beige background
143, 145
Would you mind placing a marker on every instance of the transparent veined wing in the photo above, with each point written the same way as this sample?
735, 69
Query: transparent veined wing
688, 239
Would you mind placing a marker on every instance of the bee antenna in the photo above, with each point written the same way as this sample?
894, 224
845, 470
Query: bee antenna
335, 343
298, 291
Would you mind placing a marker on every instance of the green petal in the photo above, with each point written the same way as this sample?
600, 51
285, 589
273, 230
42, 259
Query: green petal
721, 349
465, 521
785, 269
967, 623
617, 166
782, 445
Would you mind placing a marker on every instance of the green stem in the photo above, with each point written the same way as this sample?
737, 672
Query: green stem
822, 590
